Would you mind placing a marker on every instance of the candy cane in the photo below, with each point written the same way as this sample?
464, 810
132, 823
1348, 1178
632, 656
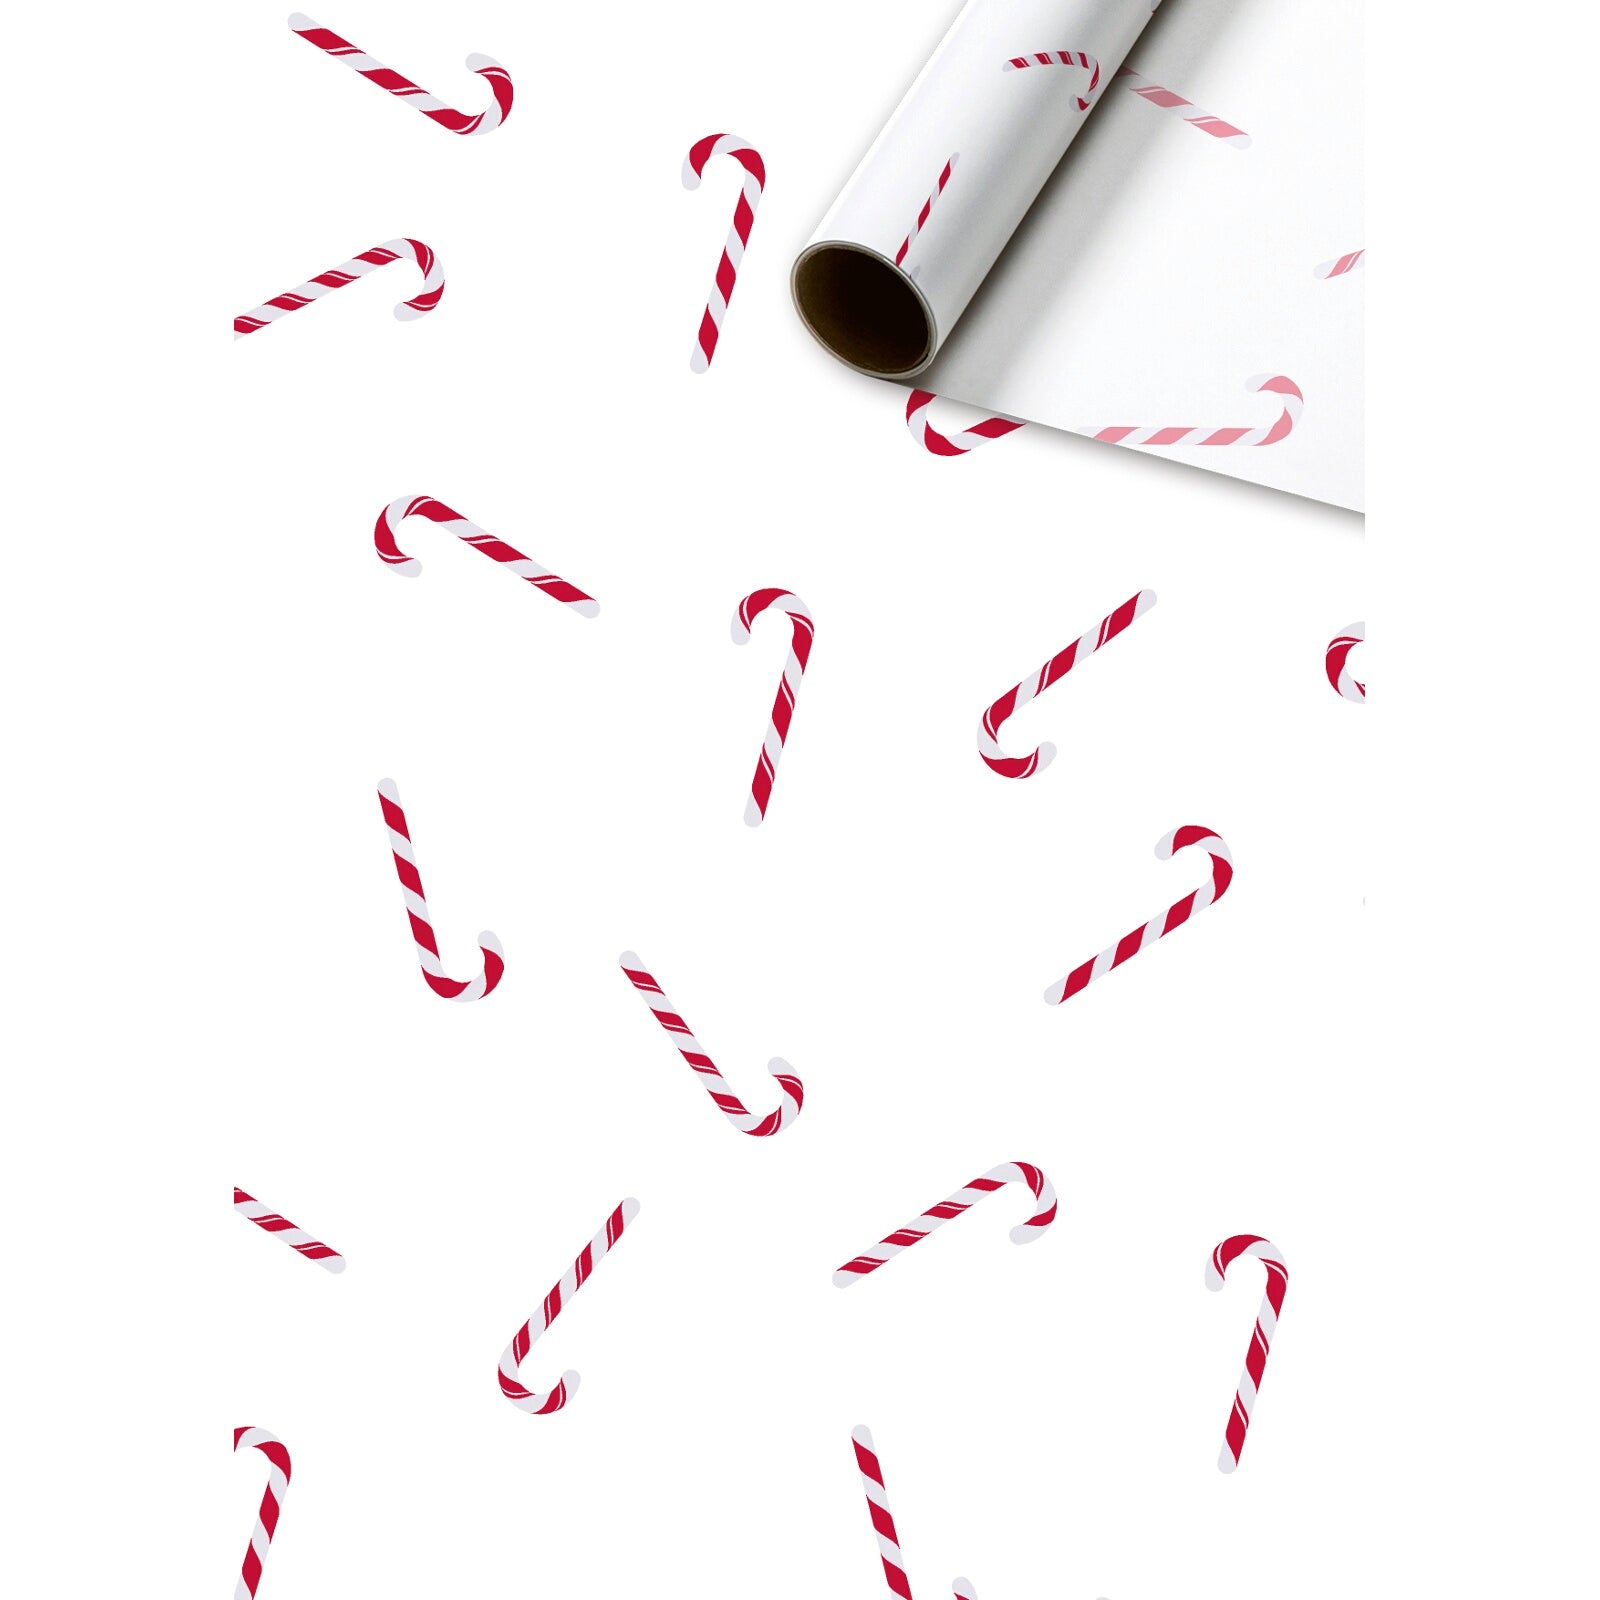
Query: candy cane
405, 864
938, 444
803, 631
572, 1280
927, 208
297, 1239
1058, 666
727, 1102
431, 510
915, 1231
1064, 58
1174, 917
1334, 662
347, 272
1287, 388
1339, 265
894, 1564
271, 1505
744, 216
1169, 100
1255, 1361
487, 68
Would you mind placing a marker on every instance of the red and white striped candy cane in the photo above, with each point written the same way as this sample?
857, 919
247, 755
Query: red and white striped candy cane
727, 1102
297, 1239
405, 864
1339, 265
271, 1505
803, 631
744, 216
894, 1564
431, 510
487, 68
572, 1280
1170, 100
380, 255
1255, 1361
914, 1232
1060, 58
1336, 662
1058, 666
1174, 917
927, 208
939, 444
1286, 388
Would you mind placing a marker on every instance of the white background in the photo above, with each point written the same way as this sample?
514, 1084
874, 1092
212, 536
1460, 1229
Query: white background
207, 670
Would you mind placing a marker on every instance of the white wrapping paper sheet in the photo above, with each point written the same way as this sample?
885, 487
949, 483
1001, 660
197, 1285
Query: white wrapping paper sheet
1160, 268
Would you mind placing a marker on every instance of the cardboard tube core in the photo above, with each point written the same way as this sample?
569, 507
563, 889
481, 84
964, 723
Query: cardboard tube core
863, 309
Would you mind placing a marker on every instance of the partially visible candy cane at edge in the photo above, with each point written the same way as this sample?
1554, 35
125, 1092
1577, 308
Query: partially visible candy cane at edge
958, 1204
282, 1228
1339, 265
1255, 1361
572, 1280
894, 1564
278, 1469
347, 272
1285, 388
803, 631
1336, 662
1174, 917
1058, 666
1062, 58
744, 216
487, 68
428, 509
927, 208
1169, 100
939, 444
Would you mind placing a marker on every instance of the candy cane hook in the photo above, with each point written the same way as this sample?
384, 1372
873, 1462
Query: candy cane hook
1255, 1361
744, 216
1061, 58
487, 68
894, 1564
297, 1239
572, 1280
405, 865
727, 1102
347, 272
1285, 388
803, 632
1174, 917
271, 1505
915, 1231
428, 509
1335, 663
1058, 666
939, 444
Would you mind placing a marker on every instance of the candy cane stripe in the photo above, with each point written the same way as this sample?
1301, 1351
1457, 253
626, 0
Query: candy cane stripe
487, 68
539, 1404
1058, 666
297, 1239
1061, 58
338, 277
744, 216
1255, 1361
725, 1100
927, 208
266, 1525
1170, 100
1336, 661
915, 1231
883, 1528
938, 444
1285, 388
802, 633
1340, 265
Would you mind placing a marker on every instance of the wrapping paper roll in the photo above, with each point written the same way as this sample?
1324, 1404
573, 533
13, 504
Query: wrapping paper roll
924, 217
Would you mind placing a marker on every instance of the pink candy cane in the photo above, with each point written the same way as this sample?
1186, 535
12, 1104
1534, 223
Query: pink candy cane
1058, 666
744, 216
1336, 662
297, 1239
894, 1564
1174, 917
938, 444
803, 632
1062, 58
490, 70
914, 1232
927, 208
1255, 1361
405, 865
278, 1470
726, 1101
572, 1280
346, 273
428, 509
1339, 265
1169, 100
1286, 388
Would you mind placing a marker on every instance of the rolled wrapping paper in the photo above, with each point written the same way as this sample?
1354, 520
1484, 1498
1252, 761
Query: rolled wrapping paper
924, 217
